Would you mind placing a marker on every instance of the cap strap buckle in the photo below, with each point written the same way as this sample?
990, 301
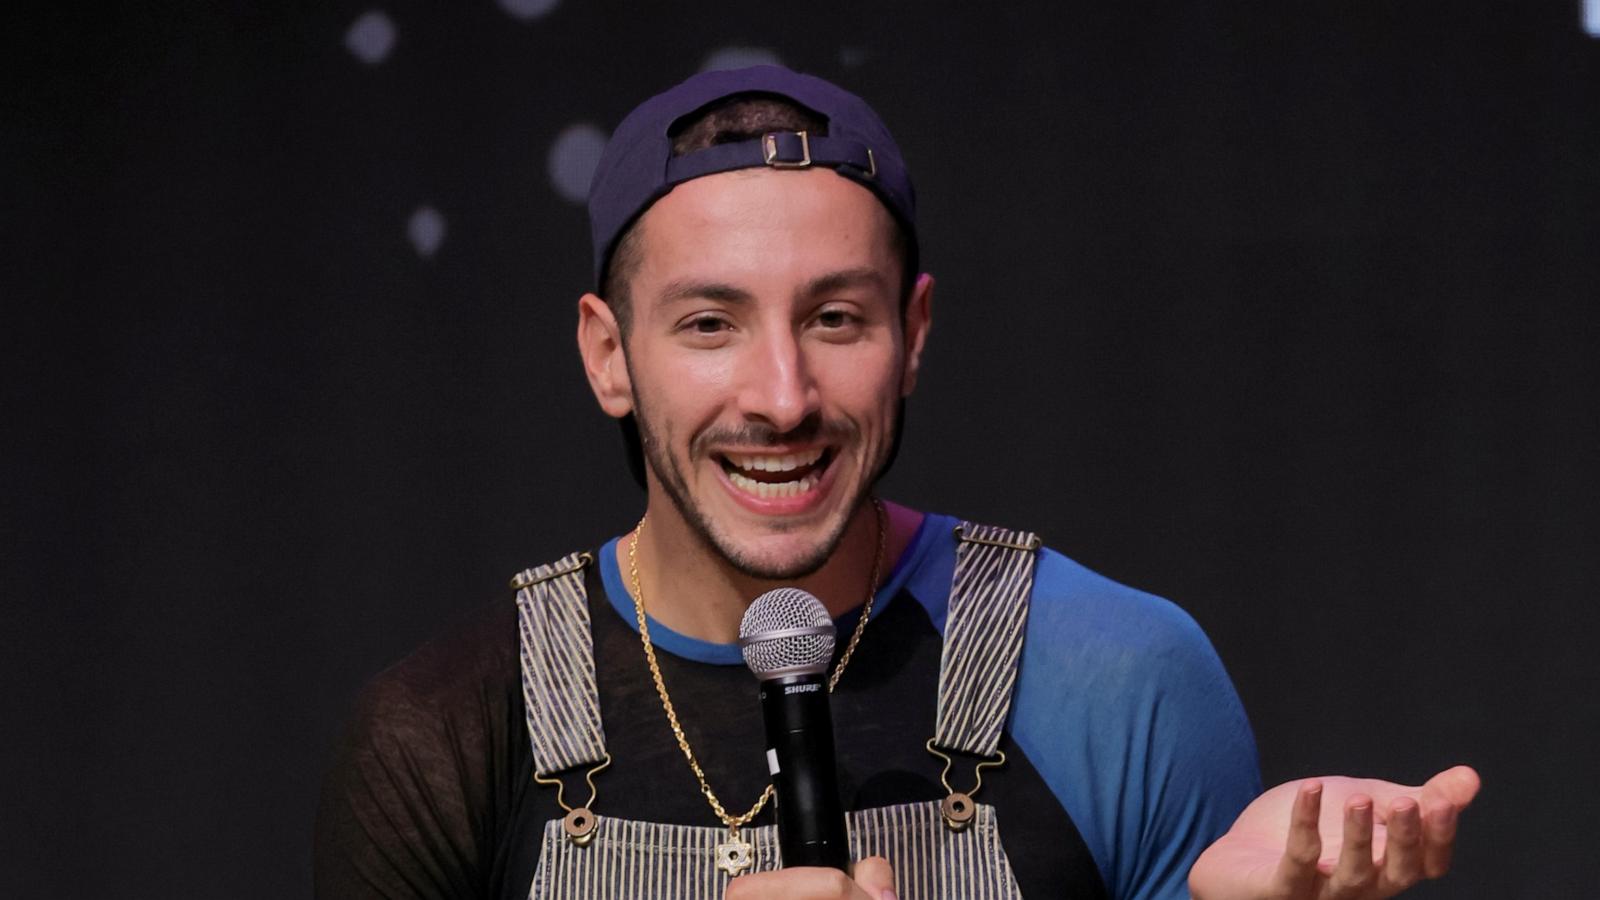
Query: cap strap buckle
786, 149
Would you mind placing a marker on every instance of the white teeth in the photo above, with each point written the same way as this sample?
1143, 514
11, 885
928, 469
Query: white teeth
751, 462
767, 491
788, 463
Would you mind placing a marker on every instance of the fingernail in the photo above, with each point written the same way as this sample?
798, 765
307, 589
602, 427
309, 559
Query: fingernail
887, 894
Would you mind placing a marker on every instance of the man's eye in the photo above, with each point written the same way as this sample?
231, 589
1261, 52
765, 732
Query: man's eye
707, 325
834, 318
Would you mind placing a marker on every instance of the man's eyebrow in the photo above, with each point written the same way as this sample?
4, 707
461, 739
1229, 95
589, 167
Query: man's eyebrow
845, 278
698, 289
694, 289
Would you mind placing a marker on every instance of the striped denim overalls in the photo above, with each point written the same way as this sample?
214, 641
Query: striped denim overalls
950, 850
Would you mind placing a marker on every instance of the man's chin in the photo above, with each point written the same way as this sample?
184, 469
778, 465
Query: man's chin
774, 564
759, 544
776, 548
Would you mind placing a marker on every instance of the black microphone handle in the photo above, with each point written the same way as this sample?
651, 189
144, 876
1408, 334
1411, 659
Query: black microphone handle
811, 828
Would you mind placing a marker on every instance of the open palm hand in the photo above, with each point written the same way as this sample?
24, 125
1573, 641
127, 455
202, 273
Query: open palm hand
1336, 837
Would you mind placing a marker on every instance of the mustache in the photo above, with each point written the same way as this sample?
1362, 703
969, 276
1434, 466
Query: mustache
814, 429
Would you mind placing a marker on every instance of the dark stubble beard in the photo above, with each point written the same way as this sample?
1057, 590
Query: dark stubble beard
676, 485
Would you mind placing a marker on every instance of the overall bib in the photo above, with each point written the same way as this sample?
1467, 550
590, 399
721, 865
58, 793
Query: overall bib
949, 850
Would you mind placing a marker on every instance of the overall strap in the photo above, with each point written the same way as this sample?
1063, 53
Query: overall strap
983, 636
558, 686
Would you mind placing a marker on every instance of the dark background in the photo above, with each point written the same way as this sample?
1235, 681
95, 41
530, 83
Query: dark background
1283, 311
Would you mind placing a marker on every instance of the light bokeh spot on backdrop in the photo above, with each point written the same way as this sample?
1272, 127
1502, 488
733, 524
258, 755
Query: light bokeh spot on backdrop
852, 57
739, 58
528, 10
426, 229
371, 37
573, 157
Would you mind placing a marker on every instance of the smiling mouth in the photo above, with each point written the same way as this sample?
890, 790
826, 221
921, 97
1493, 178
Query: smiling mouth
769, 476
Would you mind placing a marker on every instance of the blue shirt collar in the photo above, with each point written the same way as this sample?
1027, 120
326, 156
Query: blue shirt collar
665, 639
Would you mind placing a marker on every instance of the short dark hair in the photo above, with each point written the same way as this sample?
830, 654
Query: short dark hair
741, 117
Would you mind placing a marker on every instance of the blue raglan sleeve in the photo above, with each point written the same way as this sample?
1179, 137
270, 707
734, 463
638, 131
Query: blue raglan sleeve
1124, 708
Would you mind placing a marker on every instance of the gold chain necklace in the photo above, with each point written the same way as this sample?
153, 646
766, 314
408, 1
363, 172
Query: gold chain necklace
734, 856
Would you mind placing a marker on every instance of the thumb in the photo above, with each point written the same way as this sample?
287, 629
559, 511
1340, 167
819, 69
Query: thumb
1455, 786
875, 877
1452, 789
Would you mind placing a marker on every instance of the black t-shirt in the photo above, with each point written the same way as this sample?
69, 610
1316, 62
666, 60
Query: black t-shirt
432, 792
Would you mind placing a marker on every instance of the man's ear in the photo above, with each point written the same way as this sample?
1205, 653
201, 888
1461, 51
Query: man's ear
600, 345
918, 321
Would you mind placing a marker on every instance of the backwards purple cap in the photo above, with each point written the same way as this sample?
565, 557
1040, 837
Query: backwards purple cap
638, 168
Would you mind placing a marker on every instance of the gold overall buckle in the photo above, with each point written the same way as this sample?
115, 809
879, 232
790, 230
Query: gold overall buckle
958, 808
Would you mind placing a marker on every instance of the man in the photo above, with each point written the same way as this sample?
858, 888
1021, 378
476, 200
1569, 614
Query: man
1008, 723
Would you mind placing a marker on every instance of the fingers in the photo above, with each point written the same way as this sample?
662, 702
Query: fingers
1297, 871
1443, 798
874, 880
801, 883
1403, 854
1355, 874
875, 877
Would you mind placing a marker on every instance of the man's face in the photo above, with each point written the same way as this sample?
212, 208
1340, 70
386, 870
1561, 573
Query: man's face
766, 359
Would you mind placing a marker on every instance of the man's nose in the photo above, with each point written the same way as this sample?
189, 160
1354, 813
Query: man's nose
777, 386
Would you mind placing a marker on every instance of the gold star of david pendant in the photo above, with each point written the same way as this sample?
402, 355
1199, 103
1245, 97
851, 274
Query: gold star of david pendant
734, 855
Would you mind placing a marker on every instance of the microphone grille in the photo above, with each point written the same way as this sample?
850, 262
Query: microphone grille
778, 611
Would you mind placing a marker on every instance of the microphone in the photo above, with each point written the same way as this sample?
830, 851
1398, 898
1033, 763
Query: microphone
787, 639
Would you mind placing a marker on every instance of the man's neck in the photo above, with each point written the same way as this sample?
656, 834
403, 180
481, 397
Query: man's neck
700, 595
